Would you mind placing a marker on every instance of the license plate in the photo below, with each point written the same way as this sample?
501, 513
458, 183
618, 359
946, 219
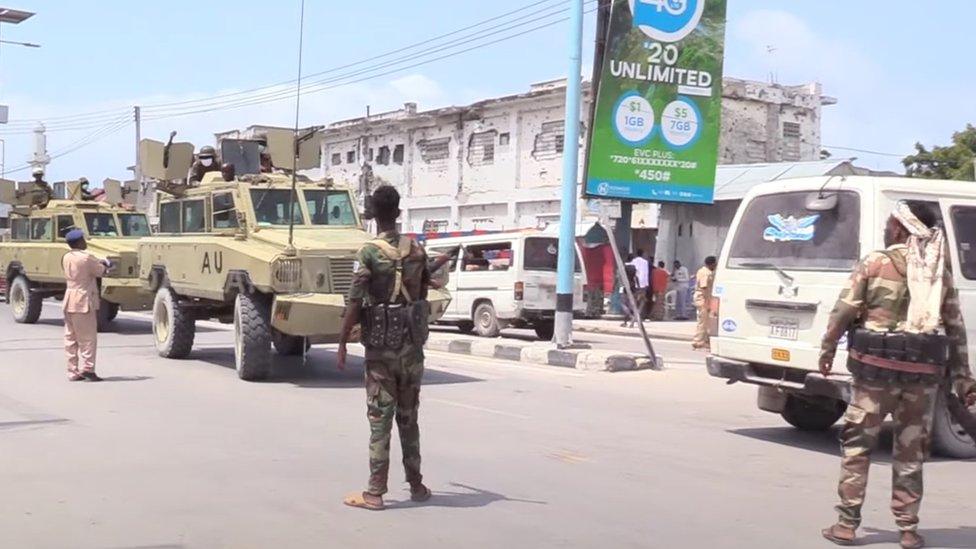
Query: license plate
784, 328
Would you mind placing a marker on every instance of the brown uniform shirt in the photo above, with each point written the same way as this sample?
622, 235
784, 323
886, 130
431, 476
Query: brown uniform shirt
81, 273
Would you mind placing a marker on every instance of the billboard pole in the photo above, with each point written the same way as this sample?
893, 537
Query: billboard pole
563, 330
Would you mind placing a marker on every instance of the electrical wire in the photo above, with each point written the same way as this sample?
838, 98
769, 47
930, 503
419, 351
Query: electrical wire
877, 153
97, 135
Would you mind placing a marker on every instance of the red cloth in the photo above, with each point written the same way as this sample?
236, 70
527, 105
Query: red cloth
659, 280
598, 261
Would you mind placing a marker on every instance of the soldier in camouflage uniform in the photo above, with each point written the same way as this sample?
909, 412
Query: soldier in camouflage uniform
392, 376
877, 298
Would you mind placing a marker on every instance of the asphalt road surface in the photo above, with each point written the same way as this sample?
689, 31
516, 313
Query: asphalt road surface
170, 454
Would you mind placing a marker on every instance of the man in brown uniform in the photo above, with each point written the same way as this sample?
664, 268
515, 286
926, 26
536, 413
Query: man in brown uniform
704, 280
909, 338
81, 273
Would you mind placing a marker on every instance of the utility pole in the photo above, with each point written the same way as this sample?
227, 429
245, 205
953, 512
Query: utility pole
563, 332
137, 171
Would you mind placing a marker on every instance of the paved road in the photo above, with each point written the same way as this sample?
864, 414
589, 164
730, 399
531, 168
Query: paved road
182, 454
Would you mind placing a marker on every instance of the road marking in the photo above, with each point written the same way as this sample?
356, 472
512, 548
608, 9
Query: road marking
476, 408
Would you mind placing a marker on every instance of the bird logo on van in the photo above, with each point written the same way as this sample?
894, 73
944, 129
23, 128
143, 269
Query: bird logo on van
790, 229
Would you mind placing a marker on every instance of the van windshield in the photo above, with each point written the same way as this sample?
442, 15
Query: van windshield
542, 254
778, 229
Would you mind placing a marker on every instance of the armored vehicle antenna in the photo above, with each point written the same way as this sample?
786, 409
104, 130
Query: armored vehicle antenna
290, 250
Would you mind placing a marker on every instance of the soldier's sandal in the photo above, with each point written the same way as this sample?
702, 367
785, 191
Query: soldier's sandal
360, 501
831, 535
420, 493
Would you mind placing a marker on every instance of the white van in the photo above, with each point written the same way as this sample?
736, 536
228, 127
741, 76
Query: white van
505, 280
790, 250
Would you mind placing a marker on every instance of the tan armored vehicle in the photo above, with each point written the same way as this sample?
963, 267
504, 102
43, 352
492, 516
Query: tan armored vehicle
222, 252
30, 262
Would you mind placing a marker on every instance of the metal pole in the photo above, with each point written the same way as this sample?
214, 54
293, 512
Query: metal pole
563, 332
137, 172
3, 159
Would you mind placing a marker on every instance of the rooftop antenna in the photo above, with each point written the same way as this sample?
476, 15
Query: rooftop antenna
290, 250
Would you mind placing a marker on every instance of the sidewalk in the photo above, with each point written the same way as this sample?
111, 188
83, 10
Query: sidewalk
675, 330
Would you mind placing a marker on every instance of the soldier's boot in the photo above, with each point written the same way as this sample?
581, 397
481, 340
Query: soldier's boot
840, 534
911, 540
419, 492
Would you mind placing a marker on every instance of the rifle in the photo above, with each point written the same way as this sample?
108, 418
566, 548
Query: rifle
962, 415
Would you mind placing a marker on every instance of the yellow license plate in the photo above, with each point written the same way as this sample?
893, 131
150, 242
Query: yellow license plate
783, 355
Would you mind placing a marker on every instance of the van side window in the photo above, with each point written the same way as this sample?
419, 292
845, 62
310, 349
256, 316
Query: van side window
65, 224
169, 217
449, 249
224, 212
20, 228
193, 220
41, 229
964, 227
488, 257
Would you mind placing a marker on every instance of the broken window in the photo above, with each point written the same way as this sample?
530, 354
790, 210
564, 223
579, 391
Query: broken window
504, 139
791, 129
481, 148
550, 141
398, 154
432, 150
336, 159
351, 157
383, 157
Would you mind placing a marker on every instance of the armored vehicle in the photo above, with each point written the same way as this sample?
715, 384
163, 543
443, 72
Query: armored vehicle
30, 262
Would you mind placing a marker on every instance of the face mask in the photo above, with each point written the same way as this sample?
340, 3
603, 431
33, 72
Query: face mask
206, 161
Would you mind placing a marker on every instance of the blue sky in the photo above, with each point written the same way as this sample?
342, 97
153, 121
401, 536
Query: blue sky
900, 75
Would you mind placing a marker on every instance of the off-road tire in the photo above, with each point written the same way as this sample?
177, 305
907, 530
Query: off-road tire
107, 311
948, 438
544, 330
288, 345
252, 336
808, 415
465, 326
173, 325
24, 304
485, 322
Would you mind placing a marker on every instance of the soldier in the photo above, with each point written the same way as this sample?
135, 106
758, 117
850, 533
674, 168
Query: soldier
704, 280
81, 273
900, 301
227, 171
206, 162
83, 189
40, 192
389, 294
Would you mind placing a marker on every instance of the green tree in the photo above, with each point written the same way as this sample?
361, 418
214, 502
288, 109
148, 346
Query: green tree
955, 161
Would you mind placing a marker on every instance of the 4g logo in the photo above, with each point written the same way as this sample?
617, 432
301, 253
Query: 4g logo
667, 20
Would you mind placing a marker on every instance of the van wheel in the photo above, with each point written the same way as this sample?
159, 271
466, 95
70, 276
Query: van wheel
485, 321
25, 304
948, 437
107, 311
173, 325
465, 326
544, 330
252, 336
288, 345
812, 414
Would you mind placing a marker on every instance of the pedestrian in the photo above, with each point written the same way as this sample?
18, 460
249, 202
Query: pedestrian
643, 281
389, 296
81, 299
649, 291
659, 281
630, 315
704, 280
681, 280
898, 300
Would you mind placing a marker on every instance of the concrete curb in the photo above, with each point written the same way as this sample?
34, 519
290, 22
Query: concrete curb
581, 359
626, 332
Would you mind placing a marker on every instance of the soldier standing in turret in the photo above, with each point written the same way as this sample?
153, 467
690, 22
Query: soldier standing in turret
908, 337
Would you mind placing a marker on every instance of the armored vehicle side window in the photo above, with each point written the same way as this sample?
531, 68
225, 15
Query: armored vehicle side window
193, 216
19, 229
65, 224
330, 207
224, 212
964, 227
41, 229
271, 206
101, 224
134, 225
169, 217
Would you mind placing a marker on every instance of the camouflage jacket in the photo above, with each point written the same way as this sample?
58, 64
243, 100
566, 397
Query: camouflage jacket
375, 273
876, 297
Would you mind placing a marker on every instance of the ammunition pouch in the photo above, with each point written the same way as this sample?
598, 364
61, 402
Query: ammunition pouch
898, 356
419, 322
390, 326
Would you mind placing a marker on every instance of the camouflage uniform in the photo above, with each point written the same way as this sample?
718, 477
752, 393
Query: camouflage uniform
877, 297
392, 377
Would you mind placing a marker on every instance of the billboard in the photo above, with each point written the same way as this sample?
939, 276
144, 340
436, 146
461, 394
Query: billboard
656, 129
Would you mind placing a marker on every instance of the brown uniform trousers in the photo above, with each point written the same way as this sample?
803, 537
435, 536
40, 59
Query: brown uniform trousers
81, 272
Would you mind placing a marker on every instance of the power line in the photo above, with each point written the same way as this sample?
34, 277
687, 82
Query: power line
97, 135
894, 155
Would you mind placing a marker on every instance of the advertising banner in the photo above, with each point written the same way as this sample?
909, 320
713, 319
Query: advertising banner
656, 130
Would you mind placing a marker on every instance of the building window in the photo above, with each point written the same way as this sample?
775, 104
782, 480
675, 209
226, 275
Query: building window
791, 129
336, 159
681, 229
369, 154
550, 141
398, 154
383, 157
481, 148
432, 150
504, 139
435, 225
351, 157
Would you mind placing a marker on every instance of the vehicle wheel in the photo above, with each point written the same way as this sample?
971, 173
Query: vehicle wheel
465, 326
107, 311
810, 414
173, 325
948, 437
25, 304
544, 330
288, 345
485, 321
252, 336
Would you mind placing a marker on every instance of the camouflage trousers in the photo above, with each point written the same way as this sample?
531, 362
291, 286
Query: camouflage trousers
393, 391
911, 407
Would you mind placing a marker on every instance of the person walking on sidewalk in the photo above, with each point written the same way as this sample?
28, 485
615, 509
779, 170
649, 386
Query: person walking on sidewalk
643, 281
704, 280
681, 280
81, 300
659, 281
630, 316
